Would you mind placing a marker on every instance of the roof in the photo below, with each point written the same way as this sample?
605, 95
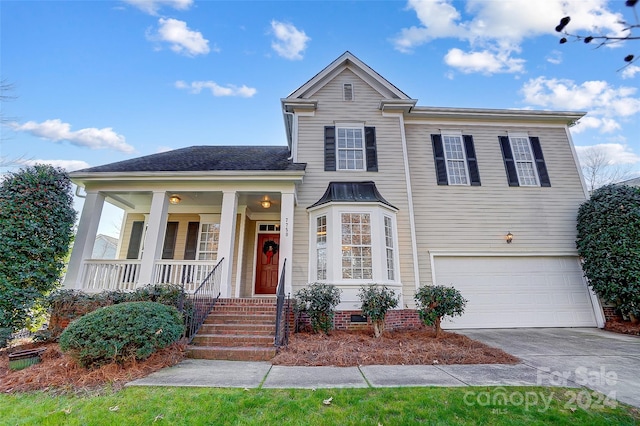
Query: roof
352, 192
631, 182
207, 158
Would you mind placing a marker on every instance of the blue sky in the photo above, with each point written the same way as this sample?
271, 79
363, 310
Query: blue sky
103, 81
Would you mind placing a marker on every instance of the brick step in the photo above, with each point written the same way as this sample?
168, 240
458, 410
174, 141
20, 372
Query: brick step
220, 318
231, 353
246, 302
261, 329
263, 340
247, 310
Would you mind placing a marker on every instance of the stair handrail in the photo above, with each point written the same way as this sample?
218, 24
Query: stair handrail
201, 302
282, 321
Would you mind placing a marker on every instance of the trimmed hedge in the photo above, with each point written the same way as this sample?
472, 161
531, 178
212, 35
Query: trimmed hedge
121, 332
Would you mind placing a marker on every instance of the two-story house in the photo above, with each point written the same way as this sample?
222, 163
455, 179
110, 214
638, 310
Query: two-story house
370, 188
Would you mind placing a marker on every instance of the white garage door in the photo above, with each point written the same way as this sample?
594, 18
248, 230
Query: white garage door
504, 292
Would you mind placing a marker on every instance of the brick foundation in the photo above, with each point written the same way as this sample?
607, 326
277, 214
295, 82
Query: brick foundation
404, 319
610, 314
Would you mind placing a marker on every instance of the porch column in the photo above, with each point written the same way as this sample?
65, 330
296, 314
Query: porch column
287, 206
156, 228
227, 239
85, 238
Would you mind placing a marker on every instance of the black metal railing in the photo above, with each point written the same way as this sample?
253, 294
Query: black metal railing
198, 305
282, 311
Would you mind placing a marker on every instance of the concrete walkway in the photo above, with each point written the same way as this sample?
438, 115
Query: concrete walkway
589, 358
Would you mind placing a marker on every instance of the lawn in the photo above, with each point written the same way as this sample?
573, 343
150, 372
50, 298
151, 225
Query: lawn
389, 406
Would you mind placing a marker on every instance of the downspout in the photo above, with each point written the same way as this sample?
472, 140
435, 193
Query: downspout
290, 129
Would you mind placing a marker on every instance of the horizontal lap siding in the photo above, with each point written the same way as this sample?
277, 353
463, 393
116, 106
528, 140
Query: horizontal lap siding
476, 219
390, 179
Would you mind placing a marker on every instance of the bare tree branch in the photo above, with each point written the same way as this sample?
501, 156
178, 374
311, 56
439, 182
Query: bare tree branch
599, 169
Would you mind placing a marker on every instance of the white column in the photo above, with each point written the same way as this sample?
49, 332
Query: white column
242, 230
287, 207
85, 238
226, 241
154, 238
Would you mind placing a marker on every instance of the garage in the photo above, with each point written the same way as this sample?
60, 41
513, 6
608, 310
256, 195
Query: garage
515, 291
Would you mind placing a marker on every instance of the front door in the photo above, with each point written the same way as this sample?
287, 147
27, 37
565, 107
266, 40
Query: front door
267, 263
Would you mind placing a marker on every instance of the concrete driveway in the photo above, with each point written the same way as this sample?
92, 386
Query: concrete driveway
596, 359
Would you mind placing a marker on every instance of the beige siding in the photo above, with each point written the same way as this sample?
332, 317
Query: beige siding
476, 219
125, 234
390, 179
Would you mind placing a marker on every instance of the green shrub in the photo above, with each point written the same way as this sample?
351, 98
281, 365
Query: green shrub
376, 301
436, 302
608, 241
318, 301
120, 332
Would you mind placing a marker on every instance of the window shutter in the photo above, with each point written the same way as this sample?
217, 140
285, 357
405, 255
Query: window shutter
329, 148
540, 164
370, 144
170, 240
191, 245
135, 240
438, 154
509, 164
472, 162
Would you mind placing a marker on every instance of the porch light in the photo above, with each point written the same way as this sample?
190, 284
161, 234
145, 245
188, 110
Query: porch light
509, 237
265, 204
174, 199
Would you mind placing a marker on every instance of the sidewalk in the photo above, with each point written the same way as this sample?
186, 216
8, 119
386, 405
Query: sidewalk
239, 374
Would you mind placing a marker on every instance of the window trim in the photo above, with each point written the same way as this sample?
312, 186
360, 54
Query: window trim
456, 134
534, 166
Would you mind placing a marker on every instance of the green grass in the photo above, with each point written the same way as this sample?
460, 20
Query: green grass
385, 406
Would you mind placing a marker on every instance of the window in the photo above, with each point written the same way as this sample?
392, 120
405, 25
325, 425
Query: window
350, 149
356, 246
321, 247
347, 91
523, 160
388, 238
208, 244
455, 159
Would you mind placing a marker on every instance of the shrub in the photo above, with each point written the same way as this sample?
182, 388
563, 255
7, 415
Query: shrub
319, 300
376, 301
132, 330
608, 241
436, 302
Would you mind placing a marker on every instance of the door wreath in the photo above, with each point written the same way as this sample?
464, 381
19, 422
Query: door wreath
270, 248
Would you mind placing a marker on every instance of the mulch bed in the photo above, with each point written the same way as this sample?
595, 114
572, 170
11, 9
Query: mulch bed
402, 347
59, 373
624, 327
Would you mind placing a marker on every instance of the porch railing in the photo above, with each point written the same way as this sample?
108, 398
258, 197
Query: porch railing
198, 305
282, 311
186, 273
99, 275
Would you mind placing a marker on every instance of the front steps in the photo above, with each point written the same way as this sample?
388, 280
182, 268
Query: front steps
237, 330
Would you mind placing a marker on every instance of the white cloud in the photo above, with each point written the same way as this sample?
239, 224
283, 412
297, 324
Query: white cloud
615, 153
152, 6
630, 71
485, 62
68, 165
90, 137
604, 103
555, 57
290, 42
181, 39
216, 90
496, 28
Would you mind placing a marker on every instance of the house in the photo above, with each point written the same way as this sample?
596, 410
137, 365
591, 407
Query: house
370, 188
631, 182
105, 247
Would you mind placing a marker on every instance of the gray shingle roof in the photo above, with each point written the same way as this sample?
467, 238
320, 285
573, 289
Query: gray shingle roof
207, 158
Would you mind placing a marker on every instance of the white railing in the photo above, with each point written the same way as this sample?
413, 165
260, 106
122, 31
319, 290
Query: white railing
187, 273
99, 275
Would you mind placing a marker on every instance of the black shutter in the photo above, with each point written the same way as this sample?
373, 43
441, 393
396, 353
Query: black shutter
329, 148
370, 143
540, 164
509, 164
191, 245
438, 155
170, 240
472, 162
135, 240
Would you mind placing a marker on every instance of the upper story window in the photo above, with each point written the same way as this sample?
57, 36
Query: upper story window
455, 159
350, 148
523, 160
347, 91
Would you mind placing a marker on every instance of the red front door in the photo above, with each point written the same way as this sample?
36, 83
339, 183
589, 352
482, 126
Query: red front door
267, 263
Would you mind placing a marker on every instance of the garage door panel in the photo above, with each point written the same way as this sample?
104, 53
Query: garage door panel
517, 291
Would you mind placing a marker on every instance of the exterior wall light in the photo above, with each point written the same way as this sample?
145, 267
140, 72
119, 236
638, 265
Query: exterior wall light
174, 199
509, 237
265, 204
